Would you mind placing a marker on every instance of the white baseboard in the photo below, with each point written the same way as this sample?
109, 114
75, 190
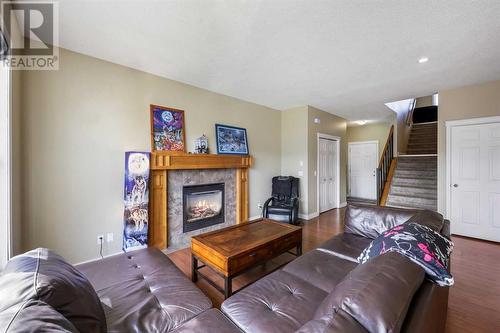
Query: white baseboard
253, 218
99, 258
343, 204
308, 216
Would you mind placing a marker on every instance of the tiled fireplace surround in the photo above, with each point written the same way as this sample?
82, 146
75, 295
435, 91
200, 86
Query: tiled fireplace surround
177, 179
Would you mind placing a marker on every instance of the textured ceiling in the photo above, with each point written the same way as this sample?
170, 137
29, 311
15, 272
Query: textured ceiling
347, 57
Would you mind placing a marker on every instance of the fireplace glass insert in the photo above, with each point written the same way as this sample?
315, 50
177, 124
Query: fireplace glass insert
203, 206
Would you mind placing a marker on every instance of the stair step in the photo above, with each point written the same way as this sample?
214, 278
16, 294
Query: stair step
423, 132
417, 165
408, 181
421, 151
412, 201
429, 123
411, 206
413, 167
421, 145
424, 125
426, 192
415, 173
422, 142
417, 159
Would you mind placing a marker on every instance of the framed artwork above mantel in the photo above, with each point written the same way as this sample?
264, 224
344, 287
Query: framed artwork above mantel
168, 132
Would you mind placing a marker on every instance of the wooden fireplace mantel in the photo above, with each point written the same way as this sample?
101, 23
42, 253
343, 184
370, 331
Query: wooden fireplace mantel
162, 162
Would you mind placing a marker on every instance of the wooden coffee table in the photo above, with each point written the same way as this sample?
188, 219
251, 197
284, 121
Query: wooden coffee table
236, 249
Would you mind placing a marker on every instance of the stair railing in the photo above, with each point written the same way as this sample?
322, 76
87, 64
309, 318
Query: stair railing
385, 164
409, 115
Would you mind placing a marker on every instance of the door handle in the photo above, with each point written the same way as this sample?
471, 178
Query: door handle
455, 185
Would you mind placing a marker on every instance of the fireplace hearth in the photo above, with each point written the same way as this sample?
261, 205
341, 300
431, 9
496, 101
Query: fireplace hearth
203, 206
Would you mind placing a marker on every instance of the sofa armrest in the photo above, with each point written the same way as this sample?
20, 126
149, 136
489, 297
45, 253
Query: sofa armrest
264, 207
446, 231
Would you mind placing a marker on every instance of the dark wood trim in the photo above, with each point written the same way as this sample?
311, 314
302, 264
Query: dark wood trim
387, 186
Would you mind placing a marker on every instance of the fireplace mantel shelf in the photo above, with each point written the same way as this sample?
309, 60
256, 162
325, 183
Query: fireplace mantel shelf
163, 162
166, 161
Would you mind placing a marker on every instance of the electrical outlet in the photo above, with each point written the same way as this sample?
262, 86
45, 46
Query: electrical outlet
100, 239
109, 237
259, 205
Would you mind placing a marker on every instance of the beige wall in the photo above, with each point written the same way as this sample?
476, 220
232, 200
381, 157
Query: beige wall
370, 132
299, 146
331, 125
294, 161
482, 100
77, 124
17, 146
402, 131
17, 166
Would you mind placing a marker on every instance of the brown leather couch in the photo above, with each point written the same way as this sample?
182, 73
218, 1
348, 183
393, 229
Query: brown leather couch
142, 291
324, 290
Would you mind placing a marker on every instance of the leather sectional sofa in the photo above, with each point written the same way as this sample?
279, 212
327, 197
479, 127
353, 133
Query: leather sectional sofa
325, 290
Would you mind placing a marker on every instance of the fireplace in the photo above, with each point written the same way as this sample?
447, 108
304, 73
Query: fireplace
203, 206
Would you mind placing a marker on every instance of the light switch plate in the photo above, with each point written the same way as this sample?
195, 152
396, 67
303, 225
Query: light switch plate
300, 173
109, 237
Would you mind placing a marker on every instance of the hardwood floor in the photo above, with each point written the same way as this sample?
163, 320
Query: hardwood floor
474, 303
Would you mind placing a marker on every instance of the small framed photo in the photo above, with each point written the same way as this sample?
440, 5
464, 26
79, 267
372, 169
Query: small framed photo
231, 140
167, 129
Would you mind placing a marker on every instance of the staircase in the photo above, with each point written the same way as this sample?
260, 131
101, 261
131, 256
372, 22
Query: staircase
414, 183
423, 139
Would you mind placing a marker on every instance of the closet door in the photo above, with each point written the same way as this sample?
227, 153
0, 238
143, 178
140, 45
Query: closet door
328, 165
475, 181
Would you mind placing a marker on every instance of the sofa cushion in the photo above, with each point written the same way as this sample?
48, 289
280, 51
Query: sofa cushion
376, 294
424, 246
371, 221
279, 302
345, 246
322, 269
210, 321
339, 322
36, 316
42, 275
145, 291
430, 219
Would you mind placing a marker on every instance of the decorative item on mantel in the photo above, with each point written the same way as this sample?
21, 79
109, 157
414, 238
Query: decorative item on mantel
231, 140
201, 145
168, 131
136, 201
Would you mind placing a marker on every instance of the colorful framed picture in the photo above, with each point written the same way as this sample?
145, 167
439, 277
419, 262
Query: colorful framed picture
231, 140
167, 129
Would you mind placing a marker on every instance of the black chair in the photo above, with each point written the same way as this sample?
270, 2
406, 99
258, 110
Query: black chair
283, 206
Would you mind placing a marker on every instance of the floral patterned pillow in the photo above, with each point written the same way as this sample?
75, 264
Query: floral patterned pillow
420, 244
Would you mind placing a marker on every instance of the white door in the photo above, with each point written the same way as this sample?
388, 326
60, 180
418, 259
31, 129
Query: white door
327, 174
475, 181
362, 169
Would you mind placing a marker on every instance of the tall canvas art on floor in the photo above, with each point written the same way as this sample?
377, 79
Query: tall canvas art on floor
136, 199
